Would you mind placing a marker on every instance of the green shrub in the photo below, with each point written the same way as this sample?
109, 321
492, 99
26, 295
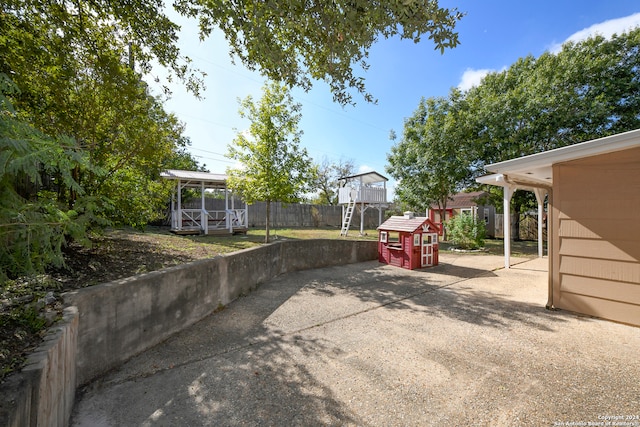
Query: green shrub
466, 232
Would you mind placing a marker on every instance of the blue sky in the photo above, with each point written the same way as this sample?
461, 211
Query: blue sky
493, 35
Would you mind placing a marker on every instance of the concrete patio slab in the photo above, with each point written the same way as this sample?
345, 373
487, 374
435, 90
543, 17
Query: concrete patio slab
464, 343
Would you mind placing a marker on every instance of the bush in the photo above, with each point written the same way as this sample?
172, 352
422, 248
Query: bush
466, 232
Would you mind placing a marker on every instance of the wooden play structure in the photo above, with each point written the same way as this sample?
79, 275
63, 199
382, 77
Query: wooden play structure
231, 220
408, 242
362, 191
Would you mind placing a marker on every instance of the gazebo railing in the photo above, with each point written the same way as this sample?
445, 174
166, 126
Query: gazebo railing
192, 219
217, 219
238, 218
188, 219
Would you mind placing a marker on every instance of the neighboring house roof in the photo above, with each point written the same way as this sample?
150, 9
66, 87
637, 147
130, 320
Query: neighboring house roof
402, 223
462, 200
536, 169
210, 180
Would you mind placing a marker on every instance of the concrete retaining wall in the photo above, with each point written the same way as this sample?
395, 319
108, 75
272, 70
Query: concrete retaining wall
107, 324
43, 392
123, 318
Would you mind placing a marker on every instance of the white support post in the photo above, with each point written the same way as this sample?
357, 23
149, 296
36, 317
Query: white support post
384, 184
226, 211
508, 193
204, 216
233, 210
179, 205
246, 215
173, 209
540, 195
362, 218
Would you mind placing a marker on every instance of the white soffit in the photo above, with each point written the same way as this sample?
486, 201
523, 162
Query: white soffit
366, 177
537, 168
195, 179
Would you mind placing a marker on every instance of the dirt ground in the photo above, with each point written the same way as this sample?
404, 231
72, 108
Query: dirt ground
28, 307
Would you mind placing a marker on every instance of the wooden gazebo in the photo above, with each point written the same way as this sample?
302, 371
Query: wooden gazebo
200, 220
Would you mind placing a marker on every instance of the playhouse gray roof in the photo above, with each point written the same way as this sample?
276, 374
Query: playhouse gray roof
402, 223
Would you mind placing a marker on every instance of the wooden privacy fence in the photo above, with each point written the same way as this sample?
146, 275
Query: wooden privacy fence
294, 215
528, 227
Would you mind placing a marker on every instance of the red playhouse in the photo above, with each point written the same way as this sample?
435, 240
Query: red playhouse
408, 242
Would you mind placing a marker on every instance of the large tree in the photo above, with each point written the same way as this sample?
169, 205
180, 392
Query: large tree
297, 41
273, 166
430, 162
97, 139
33, 167
588, 90
77, 66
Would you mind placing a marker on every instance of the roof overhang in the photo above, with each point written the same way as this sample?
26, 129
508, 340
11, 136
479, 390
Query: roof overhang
196, 179
501, 180
365, 178
536, 170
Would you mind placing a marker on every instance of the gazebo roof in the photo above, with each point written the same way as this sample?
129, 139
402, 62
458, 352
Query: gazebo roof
196, 179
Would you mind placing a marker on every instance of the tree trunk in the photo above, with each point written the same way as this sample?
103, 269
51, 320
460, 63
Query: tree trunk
266, 235
516, 222
443, 215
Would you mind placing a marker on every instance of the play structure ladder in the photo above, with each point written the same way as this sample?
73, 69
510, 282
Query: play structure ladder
348, 214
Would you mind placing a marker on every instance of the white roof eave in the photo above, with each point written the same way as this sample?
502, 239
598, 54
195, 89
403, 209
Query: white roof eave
196, 179
546, 159
366, 177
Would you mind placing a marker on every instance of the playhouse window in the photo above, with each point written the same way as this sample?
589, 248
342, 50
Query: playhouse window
393, 240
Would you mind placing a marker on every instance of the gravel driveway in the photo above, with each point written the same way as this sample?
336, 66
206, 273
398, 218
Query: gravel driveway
464, 343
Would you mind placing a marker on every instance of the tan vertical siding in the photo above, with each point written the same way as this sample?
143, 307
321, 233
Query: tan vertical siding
596, 235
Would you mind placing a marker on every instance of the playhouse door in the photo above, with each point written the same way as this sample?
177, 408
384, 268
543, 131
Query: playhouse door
427, 250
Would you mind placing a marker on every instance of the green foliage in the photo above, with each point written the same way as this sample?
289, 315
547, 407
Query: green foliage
274, 167
34, 225
430, 162
587, 90
297, 41
66, 38
75, 66
327, 180
466, 232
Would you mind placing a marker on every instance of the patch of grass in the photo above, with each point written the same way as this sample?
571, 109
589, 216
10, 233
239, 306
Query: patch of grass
255, 237
523, 248
312, 233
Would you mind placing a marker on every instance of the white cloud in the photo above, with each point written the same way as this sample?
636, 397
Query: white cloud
365, 168
471, 78
605, 29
